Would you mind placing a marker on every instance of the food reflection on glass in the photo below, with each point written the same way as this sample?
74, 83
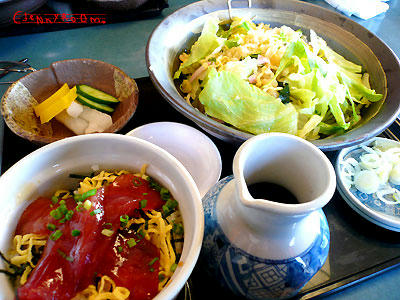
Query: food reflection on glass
119, 235
374, 169
82, 109
261, 79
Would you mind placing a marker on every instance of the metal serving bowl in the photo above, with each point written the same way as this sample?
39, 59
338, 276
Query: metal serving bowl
179, 31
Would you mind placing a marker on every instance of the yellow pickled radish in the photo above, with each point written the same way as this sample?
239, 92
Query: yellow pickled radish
61, 92
58, 106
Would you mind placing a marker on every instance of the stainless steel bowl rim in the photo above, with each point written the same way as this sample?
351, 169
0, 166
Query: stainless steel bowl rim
375, 125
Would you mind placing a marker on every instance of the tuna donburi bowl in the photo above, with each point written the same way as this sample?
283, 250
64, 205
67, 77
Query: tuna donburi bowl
99, 215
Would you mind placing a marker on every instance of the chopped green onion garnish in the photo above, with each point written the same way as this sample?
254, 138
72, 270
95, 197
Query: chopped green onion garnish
69, 214
51, 227
54, 199
124, 220
84, 196
143, 203
169, 207
164, 193
161, 277
137, 182
177, 228
62, 208
95, 212
172, 204
120, 249
75, 232
56, 235
79, 207
56, 214
63, 255
153, 261
154, 185
141, 233
88, 194
173, 267
131, 243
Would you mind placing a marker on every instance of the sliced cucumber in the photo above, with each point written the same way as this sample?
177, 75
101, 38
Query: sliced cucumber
95, 95
100, 107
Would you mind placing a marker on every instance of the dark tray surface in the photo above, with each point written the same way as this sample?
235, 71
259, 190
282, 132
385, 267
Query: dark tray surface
358, 249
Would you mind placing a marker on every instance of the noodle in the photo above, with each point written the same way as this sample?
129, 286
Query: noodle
106, 289
23, 251
157, 229
159, 233
98, 181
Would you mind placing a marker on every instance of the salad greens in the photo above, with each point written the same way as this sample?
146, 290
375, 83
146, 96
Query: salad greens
259, 80
227, 97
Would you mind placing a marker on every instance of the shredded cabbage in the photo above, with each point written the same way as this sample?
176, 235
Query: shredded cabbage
322, 91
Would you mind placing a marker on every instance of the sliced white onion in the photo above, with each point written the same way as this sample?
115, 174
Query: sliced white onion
376, 167
348, 169
368, 149
352, 161
370, 160
394, 176
389, 191
366, 181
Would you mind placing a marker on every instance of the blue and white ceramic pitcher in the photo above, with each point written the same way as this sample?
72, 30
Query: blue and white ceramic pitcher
261, 249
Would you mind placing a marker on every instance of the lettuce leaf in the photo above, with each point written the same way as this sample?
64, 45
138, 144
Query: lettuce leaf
229, 98
297, 53
204, 46
331, 56
357, 89
244, 68
309, 126
348, 72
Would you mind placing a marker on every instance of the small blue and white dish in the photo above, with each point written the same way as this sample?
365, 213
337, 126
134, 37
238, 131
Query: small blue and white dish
368, 206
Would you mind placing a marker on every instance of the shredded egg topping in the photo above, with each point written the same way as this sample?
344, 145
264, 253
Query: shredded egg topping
105, 290
157, 230
23, 245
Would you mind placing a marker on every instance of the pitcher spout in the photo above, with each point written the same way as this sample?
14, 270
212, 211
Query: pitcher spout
287, 161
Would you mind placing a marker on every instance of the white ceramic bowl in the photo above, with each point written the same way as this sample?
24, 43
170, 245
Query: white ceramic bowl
46, 169
192, 148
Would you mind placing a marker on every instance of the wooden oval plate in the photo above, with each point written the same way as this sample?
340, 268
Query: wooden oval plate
18, 101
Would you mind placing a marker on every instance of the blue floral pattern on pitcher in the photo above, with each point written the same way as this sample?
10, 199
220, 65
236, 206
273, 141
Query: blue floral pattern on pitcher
251, 276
